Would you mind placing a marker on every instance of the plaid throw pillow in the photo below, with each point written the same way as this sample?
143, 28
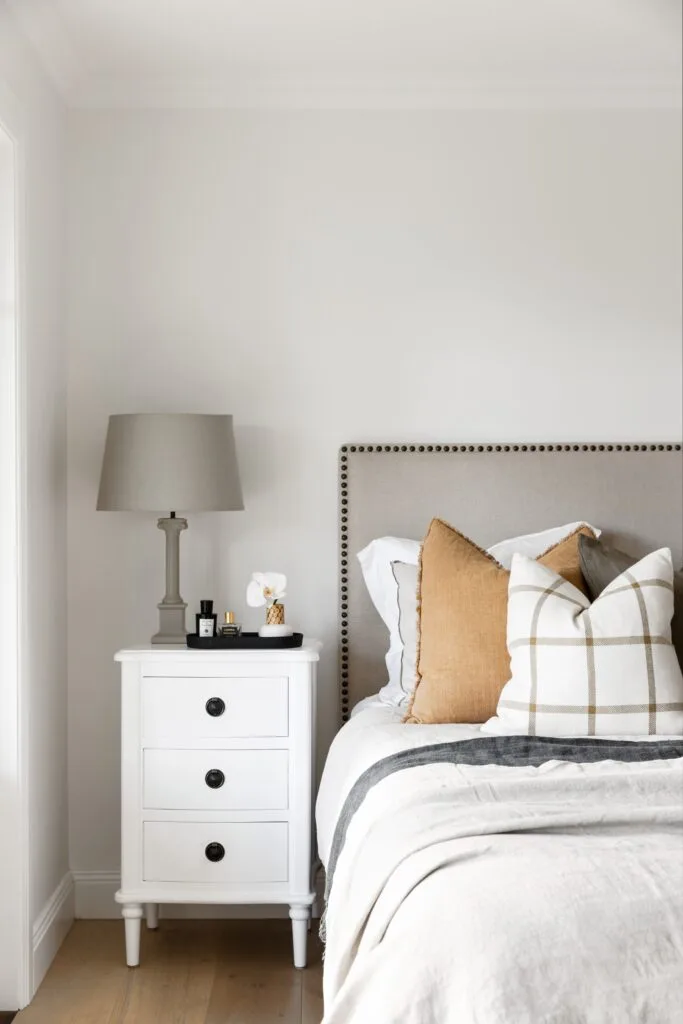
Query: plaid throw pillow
591, 670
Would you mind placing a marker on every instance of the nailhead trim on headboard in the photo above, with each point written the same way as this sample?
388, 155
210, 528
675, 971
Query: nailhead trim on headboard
348, 449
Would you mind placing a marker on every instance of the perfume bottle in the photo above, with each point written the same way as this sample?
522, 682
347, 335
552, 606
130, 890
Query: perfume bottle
230, 627
206, 619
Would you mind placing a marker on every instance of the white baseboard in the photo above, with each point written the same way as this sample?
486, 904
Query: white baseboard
50, 928
95, 901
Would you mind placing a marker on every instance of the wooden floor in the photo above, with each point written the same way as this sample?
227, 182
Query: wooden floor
191, 972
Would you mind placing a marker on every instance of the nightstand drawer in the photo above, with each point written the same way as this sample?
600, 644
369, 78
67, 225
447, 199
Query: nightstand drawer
186, 709
215, 779
249, 852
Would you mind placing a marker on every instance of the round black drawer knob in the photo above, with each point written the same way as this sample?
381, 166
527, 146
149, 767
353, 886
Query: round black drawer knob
214, 778
215, 707
215, 852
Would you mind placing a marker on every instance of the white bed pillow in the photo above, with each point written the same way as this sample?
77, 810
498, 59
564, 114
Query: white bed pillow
399, 610
582, 669
406, 595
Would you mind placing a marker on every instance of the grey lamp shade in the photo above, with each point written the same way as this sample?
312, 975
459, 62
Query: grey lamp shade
170, 462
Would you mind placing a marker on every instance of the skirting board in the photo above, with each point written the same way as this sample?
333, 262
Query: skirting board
95, 900
50, 928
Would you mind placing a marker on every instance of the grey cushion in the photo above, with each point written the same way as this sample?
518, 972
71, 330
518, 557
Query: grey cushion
600, 564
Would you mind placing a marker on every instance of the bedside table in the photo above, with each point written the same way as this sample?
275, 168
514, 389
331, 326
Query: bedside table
217, 754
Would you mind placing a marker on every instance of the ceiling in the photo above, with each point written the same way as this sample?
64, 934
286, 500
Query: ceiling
366, 52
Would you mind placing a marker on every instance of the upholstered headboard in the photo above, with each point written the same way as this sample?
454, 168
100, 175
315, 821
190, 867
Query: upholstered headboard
634, 492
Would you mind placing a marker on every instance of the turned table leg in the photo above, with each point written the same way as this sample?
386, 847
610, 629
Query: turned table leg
152, 915
300, 916
132, 916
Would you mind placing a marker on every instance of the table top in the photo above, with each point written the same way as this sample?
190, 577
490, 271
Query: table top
309, 651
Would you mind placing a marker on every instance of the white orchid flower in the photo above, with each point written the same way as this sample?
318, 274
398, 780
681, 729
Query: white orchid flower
266, 588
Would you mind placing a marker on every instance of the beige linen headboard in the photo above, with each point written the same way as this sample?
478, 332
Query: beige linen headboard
634, 492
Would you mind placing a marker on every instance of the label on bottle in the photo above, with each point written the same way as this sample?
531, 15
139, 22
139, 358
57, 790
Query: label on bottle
206, 627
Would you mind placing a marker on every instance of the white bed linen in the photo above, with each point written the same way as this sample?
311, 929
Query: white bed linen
448, 906
374, 731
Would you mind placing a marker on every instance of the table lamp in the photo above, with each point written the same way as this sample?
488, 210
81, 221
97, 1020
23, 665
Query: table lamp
161, 462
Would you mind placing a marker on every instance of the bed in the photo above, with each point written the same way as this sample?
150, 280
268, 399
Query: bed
508, 878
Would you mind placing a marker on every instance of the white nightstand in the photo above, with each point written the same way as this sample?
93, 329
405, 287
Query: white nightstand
216, 778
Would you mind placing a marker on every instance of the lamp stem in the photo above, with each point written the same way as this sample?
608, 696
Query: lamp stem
172, 607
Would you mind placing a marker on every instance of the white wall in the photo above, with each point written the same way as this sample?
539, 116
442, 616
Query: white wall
37, 119
330, 277
14, 941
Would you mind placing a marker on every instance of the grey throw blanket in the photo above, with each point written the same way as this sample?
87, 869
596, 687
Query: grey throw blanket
511, 751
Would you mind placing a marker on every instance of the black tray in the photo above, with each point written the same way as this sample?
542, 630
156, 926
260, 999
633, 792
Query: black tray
244, 642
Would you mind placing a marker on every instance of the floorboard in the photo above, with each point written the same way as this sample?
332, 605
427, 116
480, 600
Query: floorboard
191, 972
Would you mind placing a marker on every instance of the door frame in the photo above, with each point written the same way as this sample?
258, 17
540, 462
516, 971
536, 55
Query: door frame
14, 690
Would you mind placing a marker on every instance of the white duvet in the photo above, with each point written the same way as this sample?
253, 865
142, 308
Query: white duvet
496, 895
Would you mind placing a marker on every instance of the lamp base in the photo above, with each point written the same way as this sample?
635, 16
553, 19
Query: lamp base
172, 608
171, 624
